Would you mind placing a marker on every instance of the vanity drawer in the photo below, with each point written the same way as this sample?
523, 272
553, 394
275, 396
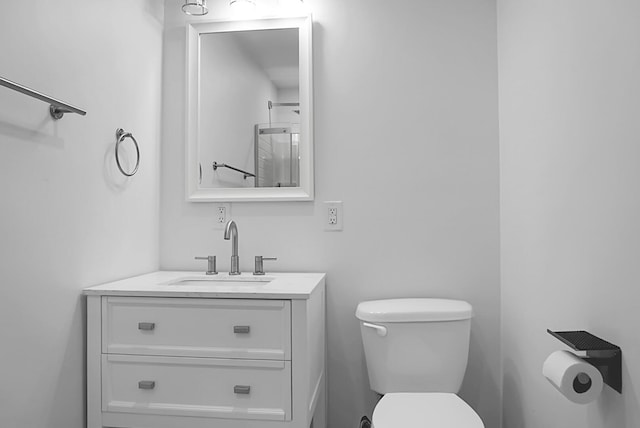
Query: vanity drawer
221, 328
202, 387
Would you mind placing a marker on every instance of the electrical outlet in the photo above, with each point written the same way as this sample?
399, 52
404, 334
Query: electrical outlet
333, 215
222, 215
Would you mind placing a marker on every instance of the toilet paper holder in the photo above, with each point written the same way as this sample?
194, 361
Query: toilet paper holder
604, 356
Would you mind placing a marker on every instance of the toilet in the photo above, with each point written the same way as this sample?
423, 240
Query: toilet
416, 352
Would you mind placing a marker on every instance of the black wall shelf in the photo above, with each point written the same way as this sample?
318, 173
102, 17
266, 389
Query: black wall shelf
603, 355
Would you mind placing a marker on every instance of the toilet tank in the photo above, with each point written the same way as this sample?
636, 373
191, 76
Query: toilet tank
415, 345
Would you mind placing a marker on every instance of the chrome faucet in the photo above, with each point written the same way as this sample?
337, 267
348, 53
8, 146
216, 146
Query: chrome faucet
231, 232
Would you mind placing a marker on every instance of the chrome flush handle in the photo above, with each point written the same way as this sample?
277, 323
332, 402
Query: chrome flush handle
380, 329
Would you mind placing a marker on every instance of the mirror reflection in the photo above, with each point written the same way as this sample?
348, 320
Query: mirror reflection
249, 115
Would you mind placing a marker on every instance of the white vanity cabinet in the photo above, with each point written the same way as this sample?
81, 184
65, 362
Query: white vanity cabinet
195, 357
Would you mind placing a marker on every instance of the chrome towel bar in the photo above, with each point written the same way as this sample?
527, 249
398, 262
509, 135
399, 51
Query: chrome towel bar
246, 174
57, 109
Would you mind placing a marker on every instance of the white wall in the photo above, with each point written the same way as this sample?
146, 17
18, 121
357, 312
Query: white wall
68, 219
406, 135
570, 199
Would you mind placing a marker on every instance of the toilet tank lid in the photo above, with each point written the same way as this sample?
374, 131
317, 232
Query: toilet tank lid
414, 310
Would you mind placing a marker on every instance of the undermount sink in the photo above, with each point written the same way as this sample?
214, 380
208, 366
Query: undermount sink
222, 281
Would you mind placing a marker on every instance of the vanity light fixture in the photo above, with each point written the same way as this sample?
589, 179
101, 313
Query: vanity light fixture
195, 7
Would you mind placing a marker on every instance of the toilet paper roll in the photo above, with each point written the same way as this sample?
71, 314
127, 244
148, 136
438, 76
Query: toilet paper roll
576, 379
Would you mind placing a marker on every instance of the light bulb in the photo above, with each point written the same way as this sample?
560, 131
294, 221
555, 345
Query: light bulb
195, 7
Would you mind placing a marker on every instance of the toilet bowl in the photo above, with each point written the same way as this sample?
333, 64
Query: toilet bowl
416, 352
424, 410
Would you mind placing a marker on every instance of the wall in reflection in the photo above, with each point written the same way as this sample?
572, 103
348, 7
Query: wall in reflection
246, 77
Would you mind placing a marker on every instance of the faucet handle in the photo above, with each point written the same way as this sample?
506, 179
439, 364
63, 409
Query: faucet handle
211, 264
259, 269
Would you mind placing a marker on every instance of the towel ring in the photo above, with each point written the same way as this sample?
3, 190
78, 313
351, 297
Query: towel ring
121, 136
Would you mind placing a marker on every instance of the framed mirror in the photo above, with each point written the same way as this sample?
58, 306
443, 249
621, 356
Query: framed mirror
249, 124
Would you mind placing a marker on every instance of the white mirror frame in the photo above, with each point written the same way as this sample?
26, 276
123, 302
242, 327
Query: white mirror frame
194, 193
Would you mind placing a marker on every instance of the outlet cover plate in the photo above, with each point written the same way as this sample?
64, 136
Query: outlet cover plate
221, 215
333, 216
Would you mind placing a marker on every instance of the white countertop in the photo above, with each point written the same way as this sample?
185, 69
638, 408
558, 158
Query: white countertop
247, 286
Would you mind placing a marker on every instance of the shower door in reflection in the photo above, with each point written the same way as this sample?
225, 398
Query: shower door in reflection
276, 156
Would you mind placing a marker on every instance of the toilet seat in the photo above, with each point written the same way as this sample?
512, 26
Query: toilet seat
424, 410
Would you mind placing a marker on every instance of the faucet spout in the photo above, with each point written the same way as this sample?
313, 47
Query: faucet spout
231, 232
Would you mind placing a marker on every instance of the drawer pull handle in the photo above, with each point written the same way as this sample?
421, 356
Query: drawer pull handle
147, 326
241, 389
242, 329
146, 384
